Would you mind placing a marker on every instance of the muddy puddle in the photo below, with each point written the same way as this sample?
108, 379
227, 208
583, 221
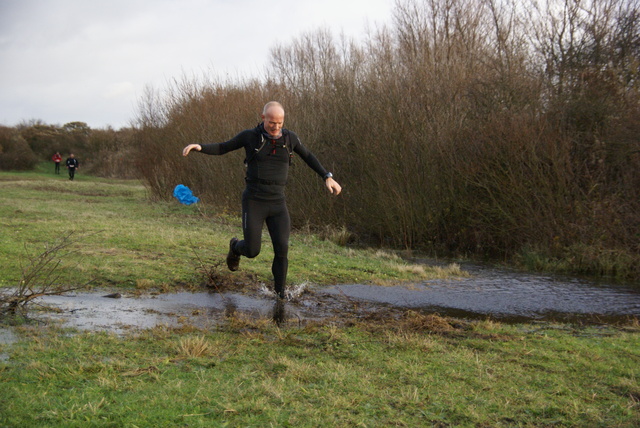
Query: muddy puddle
488, 293
510, 296
97, 310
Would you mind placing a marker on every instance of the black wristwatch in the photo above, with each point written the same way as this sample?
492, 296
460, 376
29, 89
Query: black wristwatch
327, 175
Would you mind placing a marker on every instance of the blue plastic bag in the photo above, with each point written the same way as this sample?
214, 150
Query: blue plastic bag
184, 195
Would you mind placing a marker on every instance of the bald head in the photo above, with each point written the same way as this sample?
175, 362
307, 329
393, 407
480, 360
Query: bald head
272, 105
273, 118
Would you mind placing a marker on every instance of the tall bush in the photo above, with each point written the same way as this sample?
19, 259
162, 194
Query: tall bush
473, 127
112, 153
15, 153
192, 112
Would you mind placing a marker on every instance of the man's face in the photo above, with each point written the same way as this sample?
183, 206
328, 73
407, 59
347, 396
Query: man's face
273, 120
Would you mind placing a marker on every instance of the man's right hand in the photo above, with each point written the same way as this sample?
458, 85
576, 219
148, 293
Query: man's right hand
186, 150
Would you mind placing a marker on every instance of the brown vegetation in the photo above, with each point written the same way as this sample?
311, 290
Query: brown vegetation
102, 152
40, 277
15, 152
489, 128
486, 128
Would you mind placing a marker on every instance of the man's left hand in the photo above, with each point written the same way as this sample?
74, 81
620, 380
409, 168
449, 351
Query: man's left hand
333, 186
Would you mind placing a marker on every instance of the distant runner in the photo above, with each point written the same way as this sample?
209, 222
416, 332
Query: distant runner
72, 165
56, 160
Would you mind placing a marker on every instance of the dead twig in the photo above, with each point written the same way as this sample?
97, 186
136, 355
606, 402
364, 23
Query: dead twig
40, 277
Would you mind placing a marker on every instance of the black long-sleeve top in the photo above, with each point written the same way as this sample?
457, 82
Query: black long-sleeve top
268, 169
72, 163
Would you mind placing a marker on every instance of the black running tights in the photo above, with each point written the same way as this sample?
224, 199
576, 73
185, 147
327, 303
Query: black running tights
276, 215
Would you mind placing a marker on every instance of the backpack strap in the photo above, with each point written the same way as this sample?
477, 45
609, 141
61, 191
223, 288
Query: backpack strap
255, 151
263, 141
287, 143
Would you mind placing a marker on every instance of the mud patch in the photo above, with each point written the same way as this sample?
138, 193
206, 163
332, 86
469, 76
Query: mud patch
95, 311
120, 312
487, 294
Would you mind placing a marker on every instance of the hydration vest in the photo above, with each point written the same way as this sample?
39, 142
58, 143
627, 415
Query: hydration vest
263, 142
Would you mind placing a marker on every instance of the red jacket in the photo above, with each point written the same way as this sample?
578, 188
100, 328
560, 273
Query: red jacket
57, 158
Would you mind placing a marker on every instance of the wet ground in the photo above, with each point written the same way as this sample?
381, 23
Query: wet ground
488, 293
96, 310
511, 296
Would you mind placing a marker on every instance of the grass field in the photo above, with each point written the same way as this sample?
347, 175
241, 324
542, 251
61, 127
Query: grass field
125, 240
419, 370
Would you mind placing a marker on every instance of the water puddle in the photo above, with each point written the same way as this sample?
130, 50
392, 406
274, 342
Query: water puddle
95, 311
488, 292
509, 296
98, 311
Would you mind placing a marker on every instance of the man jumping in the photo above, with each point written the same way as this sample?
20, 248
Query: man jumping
269, 148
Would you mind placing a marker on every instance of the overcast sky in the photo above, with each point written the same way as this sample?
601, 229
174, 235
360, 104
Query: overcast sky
89, 60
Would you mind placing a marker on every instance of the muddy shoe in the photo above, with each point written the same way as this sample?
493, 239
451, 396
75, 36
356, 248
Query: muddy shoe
279, 312
233, 259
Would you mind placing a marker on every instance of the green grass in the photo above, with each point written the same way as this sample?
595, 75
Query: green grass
416, 370
420, 371
123, 239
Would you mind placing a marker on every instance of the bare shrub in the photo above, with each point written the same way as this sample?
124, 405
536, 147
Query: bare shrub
189, 112
15, 153
112, 153
465, 127
40, 277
